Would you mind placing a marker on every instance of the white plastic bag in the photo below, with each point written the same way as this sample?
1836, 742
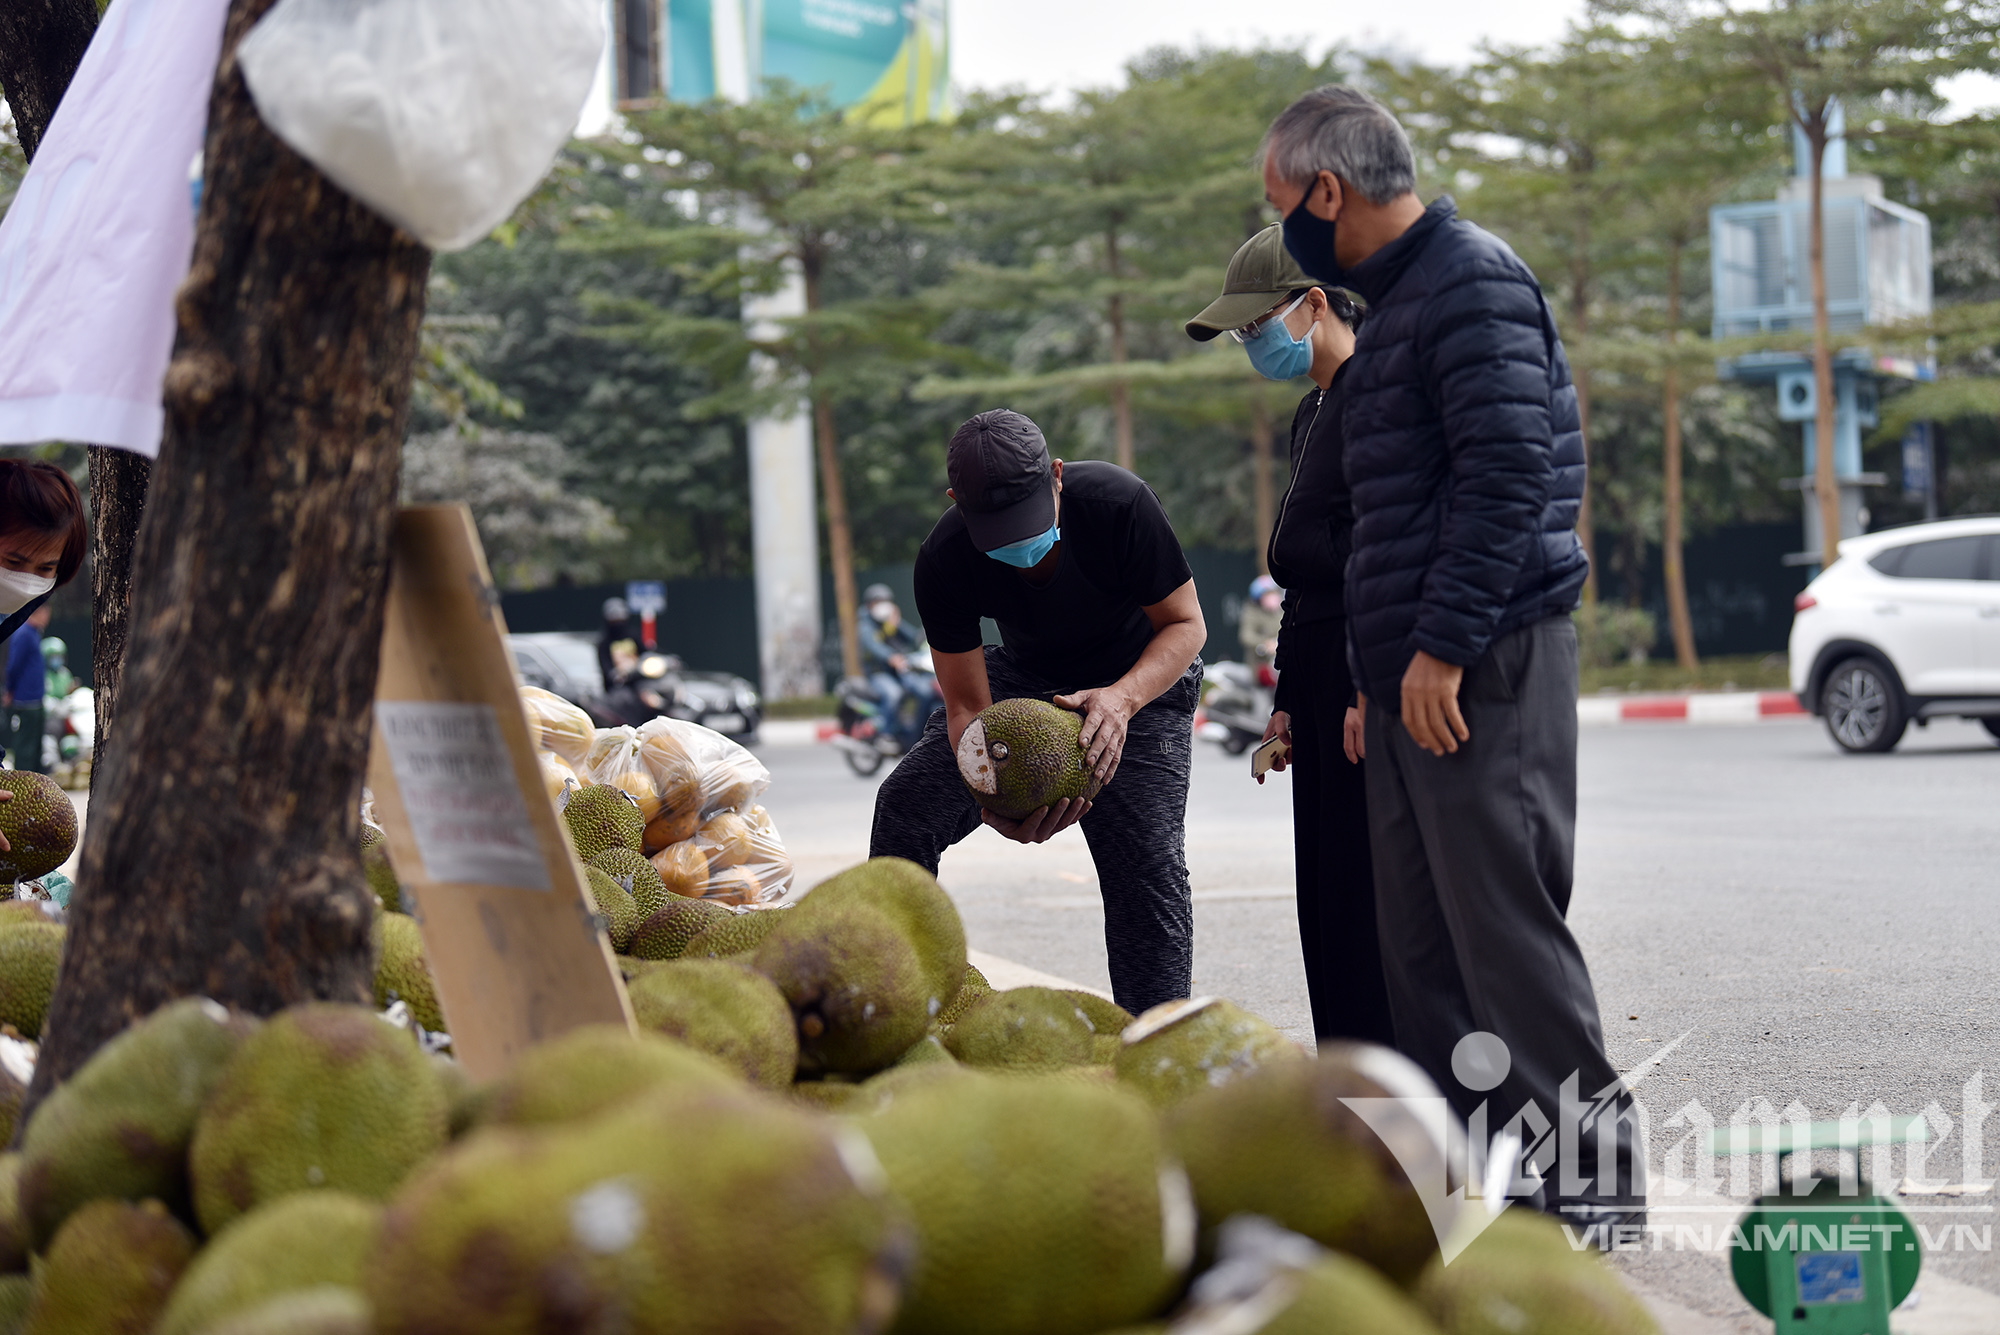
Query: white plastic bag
440, 115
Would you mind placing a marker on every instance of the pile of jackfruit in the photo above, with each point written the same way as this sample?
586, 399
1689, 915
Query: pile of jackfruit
836, 1129
695, 792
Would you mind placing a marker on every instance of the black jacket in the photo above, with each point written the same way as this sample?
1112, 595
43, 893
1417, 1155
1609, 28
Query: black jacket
1464, 453
1314, 531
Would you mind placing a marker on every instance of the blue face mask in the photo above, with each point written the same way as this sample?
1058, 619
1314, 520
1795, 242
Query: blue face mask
1277, 355
1027, 554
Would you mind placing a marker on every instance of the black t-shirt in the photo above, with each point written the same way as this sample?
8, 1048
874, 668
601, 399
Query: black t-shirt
1085, 627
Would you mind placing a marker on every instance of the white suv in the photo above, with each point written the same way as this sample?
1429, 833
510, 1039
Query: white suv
1905, 625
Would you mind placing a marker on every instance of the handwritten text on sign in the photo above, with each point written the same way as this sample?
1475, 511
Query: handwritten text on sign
459, 790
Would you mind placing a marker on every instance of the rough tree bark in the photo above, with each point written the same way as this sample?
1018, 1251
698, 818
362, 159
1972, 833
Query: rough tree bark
221, 855
1672, 555
41, 44
1826, 488
833, 487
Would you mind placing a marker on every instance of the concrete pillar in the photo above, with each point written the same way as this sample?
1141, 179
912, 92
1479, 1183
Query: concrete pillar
784, 519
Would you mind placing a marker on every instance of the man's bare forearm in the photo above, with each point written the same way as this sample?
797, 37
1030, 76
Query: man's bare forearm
1166, 659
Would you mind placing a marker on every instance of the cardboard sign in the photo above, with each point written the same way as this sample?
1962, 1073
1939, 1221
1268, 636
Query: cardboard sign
510, 932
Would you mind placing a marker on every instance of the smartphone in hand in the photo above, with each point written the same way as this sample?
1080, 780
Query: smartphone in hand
1267, 755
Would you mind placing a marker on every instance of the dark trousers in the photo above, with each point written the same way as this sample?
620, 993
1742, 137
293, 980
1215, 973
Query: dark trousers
1473, 858
1336, 880
1136, 829
25, 724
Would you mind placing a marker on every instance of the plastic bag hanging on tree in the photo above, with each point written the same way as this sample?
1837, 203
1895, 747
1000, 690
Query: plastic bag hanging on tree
440, 116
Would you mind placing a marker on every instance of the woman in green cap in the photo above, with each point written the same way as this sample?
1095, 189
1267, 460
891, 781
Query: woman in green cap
1291, 327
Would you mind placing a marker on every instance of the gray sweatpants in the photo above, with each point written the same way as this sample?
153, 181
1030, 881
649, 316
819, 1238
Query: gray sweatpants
1473, 857
1136, 829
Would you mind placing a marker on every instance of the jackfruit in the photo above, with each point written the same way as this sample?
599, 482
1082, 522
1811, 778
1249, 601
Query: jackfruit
593, 1068
635, 876
738, 934
13, 1225
463, 1099
867, 961
17, 1294
1022, 755
376, 867
13, 1093
1023, 1029
1106, 1016
926, 1051
1043, 1206
324, 1095
972, 989
602, 817
664, 935
830, 1096
30, 910
403, 971
40, 824
720, 1007
302, 1241
621, 914
121, 1126
324, 1309
715, 1212
1521, 1274
30, 956
1284, 1143
1181, 1047
109, 1270
683, 868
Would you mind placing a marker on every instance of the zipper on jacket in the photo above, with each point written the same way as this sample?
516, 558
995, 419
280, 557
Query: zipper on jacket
1286, 503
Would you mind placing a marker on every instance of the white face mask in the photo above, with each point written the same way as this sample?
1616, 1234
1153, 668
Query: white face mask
18, 588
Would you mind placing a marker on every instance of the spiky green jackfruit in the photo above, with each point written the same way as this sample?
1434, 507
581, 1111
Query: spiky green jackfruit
121, 1126
1024, 1029
1290, 1142
594, 1068
738, 934
30, 957
39, 821
13, 1224
1521, 1274
324, 1095
621, 912
403, 971
297, 1242
725, 1009
603, 817
1179, 1048
972, 989
381, 874
1043, 1205
324, 1309
1022, 755
665, 934
706, 1212
17, 1295
109, 1270
867, 961
636, 876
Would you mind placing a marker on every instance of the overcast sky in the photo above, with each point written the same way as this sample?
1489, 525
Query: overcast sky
1058, 45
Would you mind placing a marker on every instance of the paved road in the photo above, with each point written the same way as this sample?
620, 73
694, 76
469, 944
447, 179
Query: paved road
1821, 928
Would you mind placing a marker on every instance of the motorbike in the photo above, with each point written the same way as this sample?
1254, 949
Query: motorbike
651, 688
1238, 705
71, 734
865, 738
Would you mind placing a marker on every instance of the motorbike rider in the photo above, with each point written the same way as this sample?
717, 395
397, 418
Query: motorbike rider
1291, 327
617, 628
55, 658
906, 695
1262, 618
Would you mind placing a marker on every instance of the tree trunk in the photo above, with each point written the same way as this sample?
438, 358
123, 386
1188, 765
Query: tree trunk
1262, 492
833, 489
221, 854
41, 44
1579, 322
1826, 488
1670, 543
1121, 393
118, 480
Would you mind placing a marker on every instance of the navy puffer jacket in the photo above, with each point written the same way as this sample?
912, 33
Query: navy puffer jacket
1464, 453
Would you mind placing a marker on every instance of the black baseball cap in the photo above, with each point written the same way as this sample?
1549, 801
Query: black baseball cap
1001, 479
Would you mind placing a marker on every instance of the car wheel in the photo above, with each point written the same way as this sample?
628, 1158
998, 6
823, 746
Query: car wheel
1991, 725
1863, 706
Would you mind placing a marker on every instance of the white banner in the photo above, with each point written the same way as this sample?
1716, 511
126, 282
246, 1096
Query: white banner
99, 237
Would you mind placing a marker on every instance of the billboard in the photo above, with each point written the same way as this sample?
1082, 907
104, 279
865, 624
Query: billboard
885, 61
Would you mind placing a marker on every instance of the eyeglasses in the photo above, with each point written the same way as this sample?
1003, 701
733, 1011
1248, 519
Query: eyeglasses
1253, 330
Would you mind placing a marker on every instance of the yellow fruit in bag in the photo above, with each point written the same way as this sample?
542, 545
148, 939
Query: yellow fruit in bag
559, 725
733, 885
556, 774
640, 785
727, 840
683, 869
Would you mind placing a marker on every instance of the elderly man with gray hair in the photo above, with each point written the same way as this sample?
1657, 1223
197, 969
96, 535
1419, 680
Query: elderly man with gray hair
1465, 456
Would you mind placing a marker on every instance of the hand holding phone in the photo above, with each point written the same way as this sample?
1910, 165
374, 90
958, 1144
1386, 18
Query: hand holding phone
1265, 757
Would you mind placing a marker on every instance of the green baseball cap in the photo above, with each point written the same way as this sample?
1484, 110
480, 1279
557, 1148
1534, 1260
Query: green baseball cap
1260, 274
